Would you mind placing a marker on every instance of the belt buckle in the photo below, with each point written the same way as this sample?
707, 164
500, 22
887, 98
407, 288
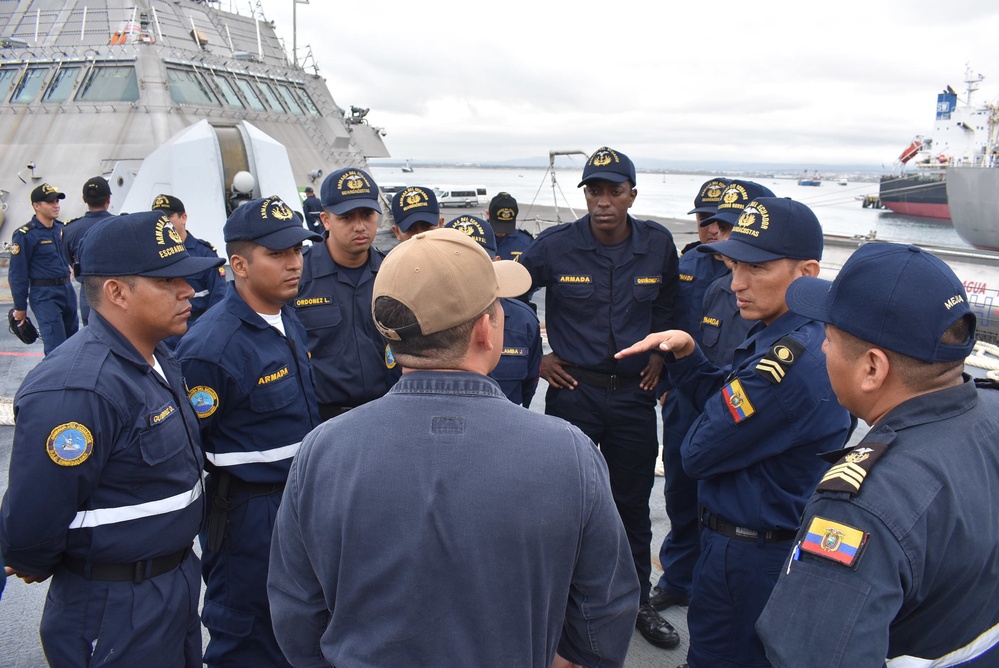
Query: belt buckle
743, 532
613, 381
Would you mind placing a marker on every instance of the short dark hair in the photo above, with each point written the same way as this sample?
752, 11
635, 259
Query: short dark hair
914, 373
98, 201
445, 348
93, 286
242, 247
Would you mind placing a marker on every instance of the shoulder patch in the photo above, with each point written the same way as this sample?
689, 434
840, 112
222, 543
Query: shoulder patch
70, 444
849, 473
204, 399
15, 249
737, 402
837, 542
779, 359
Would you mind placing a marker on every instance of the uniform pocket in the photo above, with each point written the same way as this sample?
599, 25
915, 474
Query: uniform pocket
165, 436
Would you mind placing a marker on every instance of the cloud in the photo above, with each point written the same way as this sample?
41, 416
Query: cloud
782, 81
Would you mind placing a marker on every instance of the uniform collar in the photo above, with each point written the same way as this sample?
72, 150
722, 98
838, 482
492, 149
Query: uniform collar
638, 240
239, 308
34, 222
103, 331
761, 337
321, 262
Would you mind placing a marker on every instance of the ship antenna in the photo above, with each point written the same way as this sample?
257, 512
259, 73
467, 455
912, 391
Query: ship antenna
971, 80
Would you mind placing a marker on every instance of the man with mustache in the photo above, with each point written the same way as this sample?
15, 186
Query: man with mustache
248, 374
353, 364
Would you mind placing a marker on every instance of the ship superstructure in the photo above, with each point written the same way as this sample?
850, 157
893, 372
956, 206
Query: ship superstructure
92, 87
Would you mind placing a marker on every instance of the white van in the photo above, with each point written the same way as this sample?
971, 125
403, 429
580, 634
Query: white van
457, 196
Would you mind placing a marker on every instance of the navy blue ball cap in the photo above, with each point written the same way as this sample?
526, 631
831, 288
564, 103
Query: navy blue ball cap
896, 297
168, 203
606, 164
503, 212
97, 186
415, 204
734, 198
46, 193
268, 222
348, 189
710, 196
477, 229
771, 228
139, 244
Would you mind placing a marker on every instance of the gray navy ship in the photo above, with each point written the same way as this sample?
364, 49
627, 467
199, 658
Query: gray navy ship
163, 96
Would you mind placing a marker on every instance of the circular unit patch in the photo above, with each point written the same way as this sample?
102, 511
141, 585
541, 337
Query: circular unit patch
70, 444
204, 399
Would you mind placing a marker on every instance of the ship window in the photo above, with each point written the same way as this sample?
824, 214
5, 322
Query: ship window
310, 106
187, 87
228, 92
7, 77
30, 84
289, 99
250, 94
109, 83
270, 97
61, 86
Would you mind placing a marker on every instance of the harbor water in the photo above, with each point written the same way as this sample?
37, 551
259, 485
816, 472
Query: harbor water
671, 195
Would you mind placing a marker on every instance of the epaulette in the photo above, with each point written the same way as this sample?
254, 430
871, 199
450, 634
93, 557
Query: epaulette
691, 246
72, 220
849, 473
209, 244
24, 230
779, 359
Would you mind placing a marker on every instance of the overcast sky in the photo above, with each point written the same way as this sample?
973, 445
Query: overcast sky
848, 82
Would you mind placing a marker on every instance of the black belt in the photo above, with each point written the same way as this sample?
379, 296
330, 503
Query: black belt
48, 282
136, 572
607, 381
327, 411
241, 487
731, 530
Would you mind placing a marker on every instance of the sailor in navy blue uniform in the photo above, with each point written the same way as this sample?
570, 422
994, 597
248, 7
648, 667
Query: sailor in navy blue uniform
352, 362
610, 279
764, 420
511, 241
39, 271
247, 368
312, 208
105, 491
415, 209
97, 196
209, 287
519, 366
896, 560
717, 207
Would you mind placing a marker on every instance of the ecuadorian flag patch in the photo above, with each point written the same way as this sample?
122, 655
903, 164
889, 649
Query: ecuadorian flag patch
834, 541
738, 403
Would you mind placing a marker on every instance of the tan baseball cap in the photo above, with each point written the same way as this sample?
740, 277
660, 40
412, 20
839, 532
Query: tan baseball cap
445, 278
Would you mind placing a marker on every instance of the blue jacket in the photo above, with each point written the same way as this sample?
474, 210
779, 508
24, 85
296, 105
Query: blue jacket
594, 308
36, 252
106, 462
444, 485
755, 450
352, 362
253, 396
209, 286
697, 272
722, 327
73, 235
513, 245
520, 364
923, 504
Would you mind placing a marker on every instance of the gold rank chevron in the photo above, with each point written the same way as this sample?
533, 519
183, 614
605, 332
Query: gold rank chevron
771, 367
849, 473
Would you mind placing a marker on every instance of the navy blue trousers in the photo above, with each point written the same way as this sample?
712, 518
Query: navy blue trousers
55, 310
622, 423
680, 548
236, 612
732, 581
